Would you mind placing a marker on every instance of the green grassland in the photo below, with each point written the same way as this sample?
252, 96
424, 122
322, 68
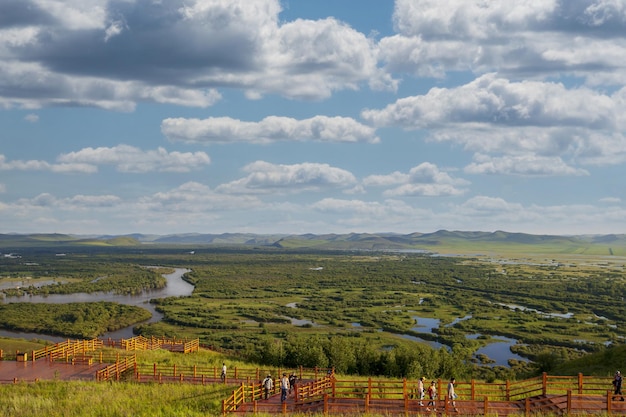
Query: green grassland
357, 310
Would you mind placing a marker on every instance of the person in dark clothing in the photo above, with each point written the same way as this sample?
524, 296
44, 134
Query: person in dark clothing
617, 385
292, 382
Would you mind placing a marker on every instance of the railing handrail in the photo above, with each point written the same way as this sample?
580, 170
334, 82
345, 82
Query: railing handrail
561, 389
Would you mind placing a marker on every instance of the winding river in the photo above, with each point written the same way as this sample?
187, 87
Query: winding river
175, 287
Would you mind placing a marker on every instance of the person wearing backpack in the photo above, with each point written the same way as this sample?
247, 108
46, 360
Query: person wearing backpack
268, 385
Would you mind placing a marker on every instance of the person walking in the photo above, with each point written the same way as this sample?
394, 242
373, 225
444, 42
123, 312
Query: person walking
268, 385
223, 374
284, 388
452, 395
420, 391
617, 386
292, 383
432, 395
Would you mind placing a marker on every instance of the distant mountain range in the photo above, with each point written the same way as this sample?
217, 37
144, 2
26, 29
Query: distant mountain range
443, 241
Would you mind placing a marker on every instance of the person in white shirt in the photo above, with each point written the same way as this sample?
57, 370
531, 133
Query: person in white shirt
284, 388
223, 375
451, 394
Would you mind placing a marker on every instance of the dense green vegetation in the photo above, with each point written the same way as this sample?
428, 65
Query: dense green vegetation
77, 273
355, 311
77, 320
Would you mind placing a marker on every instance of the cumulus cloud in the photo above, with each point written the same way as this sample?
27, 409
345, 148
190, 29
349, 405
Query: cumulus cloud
115, 53
31, 86
36, 165
524, 121
125, 158
130, 159
425, 179
493, 100
531, 39
525, 165
270, 129
264, 177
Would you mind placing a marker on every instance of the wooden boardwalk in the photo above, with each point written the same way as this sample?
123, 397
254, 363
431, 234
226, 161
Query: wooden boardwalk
549, 405
44, 369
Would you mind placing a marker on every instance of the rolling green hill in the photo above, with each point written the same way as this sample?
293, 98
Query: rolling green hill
442, 241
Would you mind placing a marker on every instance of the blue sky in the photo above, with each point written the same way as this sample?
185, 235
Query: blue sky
267, 116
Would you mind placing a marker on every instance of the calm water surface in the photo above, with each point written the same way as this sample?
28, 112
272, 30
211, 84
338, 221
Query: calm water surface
176, 287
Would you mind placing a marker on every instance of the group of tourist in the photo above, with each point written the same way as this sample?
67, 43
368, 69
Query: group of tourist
432, 394
287, 385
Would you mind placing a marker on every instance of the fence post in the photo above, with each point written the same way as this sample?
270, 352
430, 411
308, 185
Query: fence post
544, 383
369, 386
406, 404
404, 388
486, 406
527, 406
325, 404
508, 390
569, 401
473, 390
580, 383
608, 402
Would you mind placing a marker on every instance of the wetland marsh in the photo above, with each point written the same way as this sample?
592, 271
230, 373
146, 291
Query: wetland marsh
495, 312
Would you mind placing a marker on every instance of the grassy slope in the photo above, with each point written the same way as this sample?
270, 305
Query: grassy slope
603, 363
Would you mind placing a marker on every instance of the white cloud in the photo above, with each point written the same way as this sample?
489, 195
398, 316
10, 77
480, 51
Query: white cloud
124, 157
611, 200
270, 129
492, 100
32, 118
526, 165
114, 29
134, 160
264, 177
31, 86
542, 122
423, 180
531, 38
35, 165
115, 54
76, 14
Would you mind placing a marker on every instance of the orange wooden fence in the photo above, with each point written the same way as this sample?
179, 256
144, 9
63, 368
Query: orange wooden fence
547, 394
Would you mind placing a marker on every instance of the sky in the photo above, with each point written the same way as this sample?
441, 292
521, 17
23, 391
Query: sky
312, 116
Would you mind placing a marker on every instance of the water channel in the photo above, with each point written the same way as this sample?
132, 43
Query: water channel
175, 287
498, 351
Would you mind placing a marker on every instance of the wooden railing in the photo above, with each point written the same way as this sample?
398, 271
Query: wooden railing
115, 370
208, 374
546, 394
66, 350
